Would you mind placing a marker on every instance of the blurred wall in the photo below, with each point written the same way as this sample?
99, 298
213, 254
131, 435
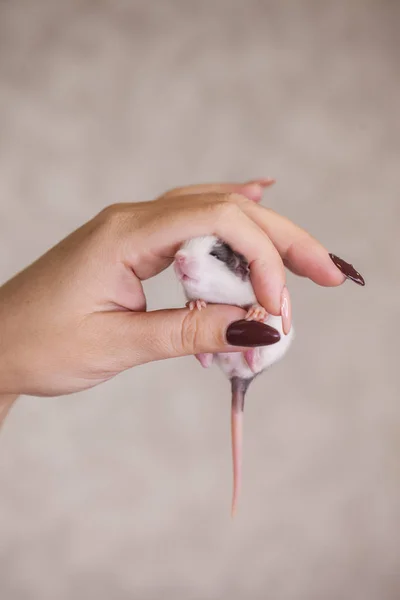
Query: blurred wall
124, 491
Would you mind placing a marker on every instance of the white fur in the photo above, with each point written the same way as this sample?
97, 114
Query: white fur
212, 281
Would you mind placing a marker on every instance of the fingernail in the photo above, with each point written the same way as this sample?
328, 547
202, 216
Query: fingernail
347, 269
264, 181
286, 311
251, 334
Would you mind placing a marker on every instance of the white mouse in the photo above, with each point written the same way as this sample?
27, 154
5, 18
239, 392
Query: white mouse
210, 271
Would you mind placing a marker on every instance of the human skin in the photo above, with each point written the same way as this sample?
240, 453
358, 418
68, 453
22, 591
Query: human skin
77, 316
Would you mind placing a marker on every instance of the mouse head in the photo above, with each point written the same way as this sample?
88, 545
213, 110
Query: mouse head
208, 263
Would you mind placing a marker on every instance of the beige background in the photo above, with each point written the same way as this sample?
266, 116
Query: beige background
124, 491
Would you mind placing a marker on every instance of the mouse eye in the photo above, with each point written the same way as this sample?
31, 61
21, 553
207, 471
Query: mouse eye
221, 252
218, 254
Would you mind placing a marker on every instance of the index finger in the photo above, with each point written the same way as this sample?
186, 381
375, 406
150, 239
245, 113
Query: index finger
300, 252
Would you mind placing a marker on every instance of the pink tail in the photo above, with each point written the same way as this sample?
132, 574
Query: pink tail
237, 453
239, 387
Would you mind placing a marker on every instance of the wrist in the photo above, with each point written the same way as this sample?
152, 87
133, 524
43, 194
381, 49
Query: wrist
10, 372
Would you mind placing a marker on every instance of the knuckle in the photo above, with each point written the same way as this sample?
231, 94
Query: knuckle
111, 214
172, 192
225, 209
190, 333
273, 264
114, 217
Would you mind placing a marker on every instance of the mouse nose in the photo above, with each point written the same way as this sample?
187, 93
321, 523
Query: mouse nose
180, 258
185, 265
180, 263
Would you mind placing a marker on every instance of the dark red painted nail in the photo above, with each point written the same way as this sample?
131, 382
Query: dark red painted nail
348, 270
251, 334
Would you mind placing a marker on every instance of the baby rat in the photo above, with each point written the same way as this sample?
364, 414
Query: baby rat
210, 271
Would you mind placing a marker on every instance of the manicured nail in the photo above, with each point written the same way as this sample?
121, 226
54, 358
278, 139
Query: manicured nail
286, 311
347, 269
264, 182
251, 334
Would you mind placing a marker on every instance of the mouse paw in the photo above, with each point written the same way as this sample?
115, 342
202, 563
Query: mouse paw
199, 304
257, 313
205, 360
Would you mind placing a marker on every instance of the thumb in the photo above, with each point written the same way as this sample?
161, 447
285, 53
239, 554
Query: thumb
143, 337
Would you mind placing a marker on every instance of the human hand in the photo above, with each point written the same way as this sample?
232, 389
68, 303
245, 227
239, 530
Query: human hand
77, 316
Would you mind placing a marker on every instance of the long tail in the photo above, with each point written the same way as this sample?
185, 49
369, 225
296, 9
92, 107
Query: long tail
239, 388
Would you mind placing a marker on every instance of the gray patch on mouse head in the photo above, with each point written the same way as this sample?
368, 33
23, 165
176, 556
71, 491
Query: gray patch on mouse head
235, 261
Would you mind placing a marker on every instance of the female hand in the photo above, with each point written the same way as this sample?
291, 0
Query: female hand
77, 316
